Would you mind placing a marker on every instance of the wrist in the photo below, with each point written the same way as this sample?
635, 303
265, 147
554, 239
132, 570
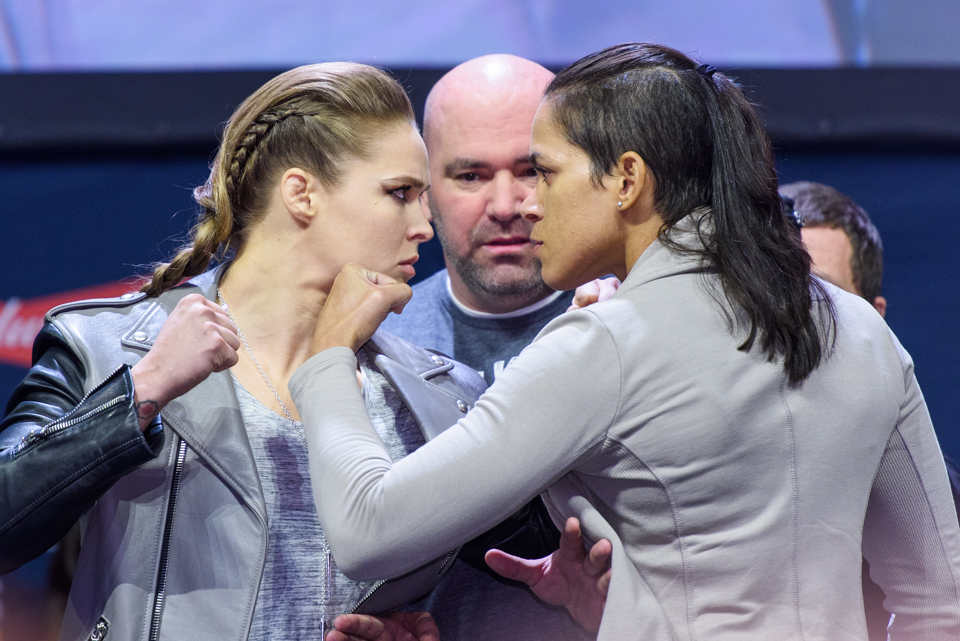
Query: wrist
148, 398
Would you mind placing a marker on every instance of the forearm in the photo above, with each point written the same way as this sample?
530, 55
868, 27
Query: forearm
911, 537
58, 455
383, 518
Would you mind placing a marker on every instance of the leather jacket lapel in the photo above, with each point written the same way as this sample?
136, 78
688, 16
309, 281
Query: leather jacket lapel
437, 390
208, 416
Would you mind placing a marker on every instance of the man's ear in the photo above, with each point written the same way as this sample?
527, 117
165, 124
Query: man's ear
880, 304
299, 193
630, 180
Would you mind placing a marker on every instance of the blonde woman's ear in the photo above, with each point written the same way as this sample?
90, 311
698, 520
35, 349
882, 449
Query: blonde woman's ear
298, 192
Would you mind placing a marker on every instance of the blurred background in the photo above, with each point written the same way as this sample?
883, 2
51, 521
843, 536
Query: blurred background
110, 112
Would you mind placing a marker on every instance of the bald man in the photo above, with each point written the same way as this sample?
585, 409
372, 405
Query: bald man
490, 302
485, 307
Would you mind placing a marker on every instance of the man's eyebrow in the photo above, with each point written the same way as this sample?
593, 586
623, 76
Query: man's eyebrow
462, 164
413, 181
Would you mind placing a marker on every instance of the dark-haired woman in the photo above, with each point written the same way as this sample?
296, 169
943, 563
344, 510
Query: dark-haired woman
739, 430
162, 418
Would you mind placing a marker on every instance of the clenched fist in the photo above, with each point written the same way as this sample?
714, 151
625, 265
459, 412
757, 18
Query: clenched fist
196, 340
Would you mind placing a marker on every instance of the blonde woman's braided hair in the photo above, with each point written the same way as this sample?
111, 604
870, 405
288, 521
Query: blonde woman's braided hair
313, 117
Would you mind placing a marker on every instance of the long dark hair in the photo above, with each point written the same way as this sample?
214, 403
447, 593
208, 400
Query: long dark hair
708, 152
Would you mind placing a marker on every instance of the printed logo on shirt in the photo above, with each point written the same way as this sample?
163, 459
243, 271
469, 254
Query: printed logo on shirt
21, 320
498, 368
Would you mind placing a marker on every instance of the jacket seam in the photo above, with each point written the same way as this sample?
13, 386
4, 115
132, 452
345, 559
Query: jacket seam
678, 529
794, 516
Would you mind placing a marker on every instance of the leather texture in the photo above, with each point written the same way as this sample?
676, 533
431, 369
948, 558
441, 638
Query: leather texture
104, 468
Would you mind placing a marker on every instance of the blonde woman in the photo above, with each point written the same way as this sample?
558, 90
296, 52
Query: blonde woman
163, 421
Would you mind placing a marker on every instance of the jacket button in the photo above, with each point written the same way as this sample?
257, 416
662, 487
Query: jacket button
436, 359
128, 296
139, 336
462, 406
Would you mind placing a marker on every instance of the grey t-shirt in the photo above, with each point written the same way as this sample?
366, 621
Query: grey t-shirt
486, 343
470, 604
295, 581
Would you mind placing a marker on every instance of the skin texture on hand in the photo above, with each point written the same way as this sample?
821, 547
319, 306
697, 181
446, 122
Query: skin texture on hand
358, 302
569, 577
595, 291
196, 340
396, 626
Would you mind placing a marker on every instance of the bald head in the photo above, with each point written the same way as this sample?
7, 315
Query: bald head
477, 124
496, 87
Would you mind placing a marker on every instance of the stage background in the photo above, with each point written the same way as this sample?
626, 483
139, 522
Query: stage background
110, 112
96, 173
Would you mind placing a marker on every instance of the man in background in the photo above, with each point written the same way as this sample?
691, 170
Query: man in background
486, 306
490, 302
842, 241
846, 250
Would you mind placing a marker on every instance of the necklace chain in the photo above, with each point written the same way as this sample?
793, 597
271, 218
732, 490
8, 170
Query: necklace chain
327, 569
266, 380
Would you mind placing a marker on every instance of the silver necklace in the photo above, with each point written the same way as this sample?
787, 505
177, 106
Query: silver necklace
327, 568
266, 380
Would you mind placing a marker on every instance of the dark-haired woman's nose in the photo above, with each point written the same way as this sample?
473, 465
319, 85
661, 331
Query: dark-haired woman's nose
531, 208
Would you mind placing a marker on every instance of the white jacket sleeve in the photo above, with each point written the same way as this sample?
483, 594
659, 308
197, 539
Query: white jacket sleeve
548, 410
911, 537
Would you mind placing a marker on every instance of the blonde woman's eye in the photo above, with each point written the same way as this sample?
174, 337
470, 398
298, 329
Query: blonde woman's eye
400, 193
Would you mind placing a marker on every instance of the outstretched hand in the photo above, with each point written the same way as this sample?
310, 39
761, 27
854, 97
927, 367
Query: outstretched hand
595, 291
569, 577
197, 339
396, 626
358, 302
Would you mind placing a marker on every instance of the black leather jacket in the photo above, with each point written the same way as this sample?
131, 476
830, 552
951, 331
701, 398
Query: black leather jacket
61, 449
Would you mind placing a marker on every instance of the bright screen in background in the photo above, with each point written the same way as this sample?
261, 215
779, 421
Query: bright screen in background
103, 35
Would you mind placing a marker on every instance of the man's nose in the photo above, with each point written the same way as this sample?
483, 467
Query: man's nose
506, 195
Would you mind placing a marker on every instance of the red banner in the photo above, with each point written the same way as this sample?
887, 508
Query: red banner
21, 320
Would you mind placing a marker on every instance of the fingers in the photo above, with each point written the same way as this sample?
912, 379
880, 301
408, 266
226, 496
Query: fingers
608, 287
603, 585
595, 291
360, 626
587, 294
571, 542
598, 559
527, 571
358, 302
420, 624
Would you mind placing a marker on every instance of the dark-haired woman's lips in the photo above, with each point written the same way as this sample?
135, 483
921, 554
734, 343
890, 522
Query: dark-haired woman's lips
508, 245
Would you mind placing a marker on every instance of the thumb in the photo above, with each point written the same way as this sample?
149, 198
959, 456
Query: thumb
528, 571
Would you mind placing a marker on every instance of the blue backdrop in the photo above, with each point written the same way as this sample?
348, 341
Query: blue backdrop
76, 223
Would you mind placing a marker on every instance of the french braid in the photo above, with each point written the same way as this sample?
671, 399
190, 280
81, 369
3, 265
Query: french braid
309, 117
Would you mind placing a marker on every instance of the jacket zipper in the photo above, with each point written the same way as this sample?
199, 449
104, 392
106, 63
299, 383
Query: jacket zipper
379, 584
165, 547
66, 421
